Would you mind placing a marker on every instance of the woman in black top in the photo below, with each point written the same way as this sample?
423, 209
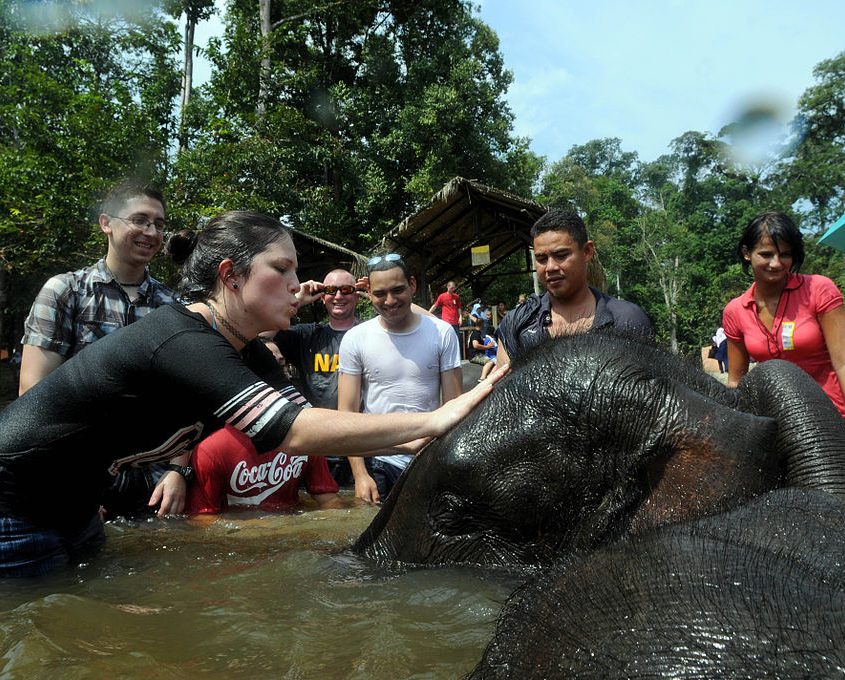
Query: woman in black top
150, 391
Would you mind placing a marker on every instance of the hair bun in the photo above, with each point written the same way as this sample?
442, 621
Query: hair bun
181, 244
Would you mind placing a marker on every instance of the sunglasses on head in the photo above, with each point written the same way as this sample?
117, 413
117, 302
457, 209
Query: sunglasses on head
390, 257
344, 290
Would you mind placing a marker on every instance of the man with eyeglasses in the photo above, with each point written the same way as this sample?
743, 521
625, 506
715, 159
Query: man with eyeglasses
403, 360
312, 348
77, 308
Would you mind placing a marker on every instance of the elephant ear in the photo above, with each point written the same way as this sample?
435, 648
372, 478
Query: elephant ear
712, 458
811, 431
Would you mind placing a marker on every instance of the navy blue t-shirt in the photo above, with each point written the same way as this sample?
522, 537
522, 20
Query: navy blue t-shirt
527, 325
144, 393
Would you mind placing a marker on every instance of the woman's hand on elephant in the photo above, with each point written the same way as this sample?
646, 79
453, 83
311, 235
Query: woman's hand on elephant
366, 489
455, 410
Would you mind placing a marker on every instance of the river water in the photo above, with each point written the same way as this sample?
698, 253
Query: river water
247, 596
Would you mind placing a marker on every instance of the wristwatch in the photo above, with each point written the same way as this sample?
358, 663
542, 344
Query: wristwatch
186, 471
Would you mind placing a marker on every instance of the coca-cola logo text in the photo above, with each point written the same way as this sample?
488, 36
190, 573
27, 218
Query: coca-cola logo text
281, 469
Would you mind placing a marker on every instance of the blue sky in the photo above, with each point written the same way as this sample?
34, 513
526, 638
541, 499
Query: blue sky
647, 71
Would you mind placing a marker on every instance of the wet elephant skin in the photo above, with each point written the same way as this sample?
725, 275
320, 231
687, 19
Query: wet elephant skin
597, 437
758, 592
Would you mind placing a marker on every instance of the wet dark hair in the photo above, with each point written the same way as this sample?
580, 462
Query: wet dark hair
562, 220
384, 264
780, 228
119, 195
238, 235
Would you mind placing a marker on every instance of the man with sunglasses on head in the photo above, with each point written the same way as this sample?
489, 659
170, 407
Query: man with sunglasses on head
312, 348
77, 308
403, 360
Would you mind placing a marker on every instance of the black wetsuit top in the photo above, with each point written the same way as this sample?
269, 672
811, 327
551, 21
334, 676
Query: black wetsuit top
143, 393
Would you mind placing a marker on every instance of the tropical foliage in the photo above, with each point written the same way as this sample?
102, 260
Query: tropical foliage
347, 116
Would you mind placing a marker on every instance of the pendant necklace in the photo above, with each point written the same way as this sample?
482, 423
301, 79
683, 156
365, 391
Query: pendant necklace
229, 327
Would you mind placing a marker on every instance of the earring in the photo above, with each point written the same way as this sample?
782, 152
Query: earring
235, 286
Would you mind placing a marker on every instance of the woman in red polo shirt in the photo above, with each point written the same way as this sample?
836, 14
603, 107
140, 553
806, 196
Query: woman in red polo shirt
784, 314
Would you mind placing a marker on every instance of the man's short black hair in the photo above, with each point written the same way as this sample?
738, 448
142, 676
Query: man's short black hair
562, 219
384, 264
120, 194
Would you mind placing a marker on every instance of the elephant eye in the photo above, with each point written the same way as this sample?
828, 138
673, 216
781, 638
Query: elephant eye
451, 515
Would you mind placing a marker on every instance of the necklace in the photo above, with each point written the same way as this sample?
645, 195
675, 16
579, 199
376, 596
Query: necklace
123, 283
229, 327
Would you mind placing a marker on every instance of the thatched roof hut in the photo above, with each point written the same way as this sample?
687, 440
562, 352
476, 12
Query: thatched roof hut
437, 240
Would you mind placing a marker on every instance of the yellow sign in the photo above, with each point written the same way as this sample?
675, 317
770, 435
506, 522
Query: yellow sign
480, 255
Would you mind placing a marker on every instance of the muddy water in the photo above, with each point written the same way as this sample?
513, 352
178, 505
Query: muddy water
246, 597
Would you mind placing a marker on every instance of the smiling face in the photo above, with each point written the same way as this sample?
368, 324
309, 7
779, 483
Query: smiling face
127, 243
340, 306
562, 263
770, 261
268, 293
391, 294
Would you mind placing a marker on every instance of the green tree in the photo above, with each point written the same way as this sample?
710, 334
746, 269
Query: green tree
597, 180
362, 110
813, 176
81, 104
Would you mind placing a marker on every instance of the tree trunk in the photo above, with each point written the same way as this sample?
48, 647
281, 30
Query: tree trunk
187, 80
4, 303
264, 7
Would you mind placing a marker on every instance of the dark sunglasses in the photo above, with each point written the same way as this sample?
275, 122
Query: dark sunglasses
344, 290
390, 257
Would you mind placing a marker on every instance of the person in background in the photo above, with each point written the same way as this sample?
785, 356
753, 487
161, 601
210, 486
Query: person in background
266, 339
562, 251
501, 311
449, 303
480, 310
720, 345
77, 308
231, 474
312, 348
400, 361
15, 364
784, 314
480, 347
150, 391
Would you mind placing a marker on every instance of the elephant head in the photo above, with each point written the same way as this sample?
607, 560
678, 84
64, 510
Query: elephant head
588, 439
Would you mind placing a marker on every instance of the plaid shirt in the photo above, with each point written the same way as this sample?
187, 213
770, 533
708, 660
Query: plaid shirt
73, 310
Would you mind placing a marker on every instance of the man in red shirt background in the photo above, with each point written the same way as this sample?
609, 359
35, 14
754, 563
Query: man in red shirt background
450, 306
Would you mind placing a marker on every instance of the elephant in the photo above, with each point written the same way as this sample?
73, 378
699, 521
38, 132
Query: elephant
757, 592
597, 437
674, 527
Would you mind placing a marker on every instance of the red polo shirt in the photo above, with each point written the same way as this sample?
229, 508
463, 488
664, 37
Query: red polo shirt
796, 335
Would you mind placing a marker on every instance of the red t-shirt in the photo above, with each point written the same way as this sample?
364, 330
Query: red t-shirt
230, 472
450, 304
796, 334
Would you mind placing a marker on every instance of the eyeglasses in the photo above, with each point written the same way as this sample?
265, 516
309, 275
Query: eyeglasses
344, 290
141, 222
390, 257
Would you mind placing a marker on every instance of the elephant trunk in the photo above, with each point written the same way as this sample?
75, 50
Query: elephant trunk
811, 432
